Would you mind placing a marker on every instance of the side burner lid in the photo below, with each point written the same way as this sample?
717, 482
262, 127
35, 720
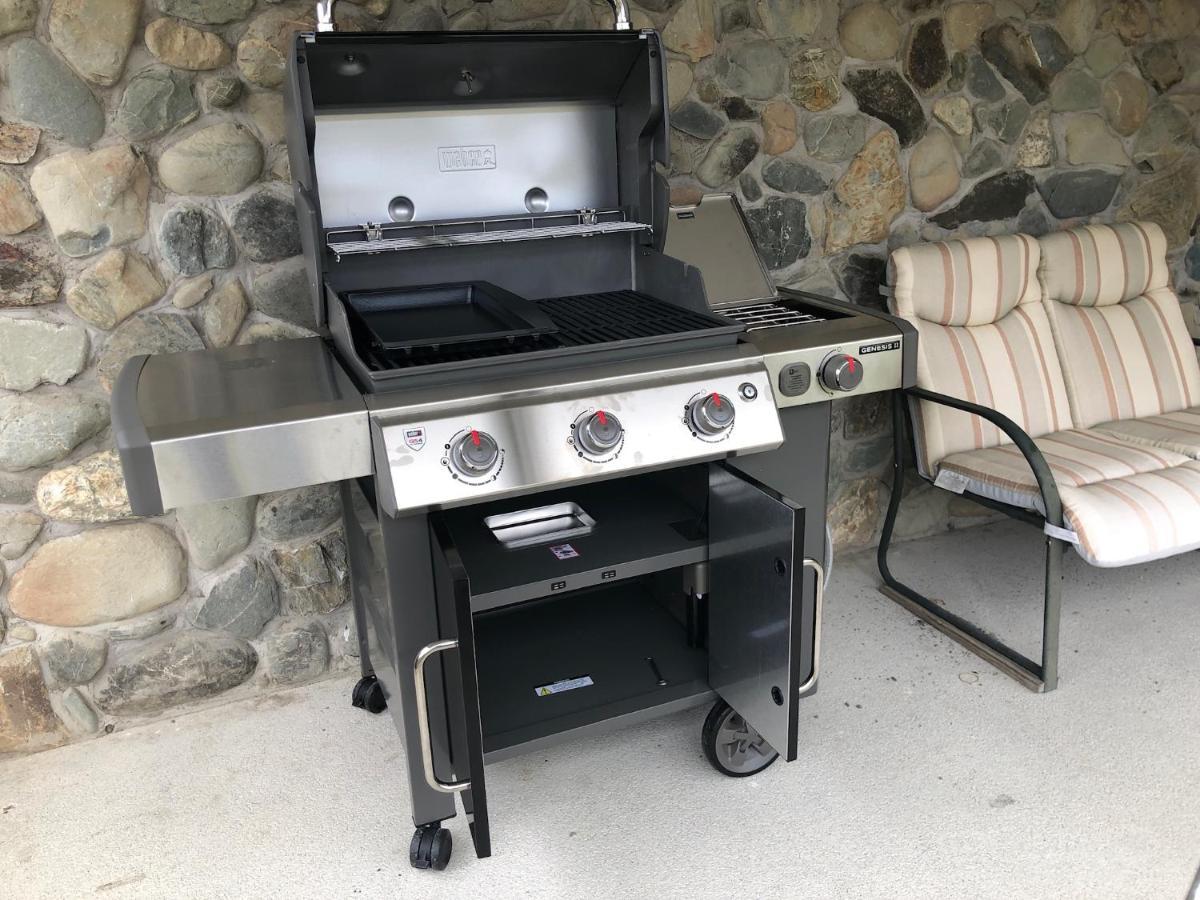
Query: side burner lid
713, 237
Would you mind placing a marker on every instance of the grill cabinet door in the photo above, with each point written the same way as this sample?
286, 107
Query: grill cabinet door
755, 605
464, 725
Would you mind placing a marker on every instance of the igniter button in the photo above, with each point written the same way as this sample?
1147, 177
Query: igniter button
748, 391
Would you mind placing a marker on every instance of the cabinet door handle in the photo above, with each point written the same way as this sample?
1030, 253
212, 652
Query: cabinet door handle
446, 787
819, 571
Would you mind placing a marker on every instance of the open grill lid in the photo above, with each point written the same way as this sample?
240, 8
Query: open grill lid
415, 150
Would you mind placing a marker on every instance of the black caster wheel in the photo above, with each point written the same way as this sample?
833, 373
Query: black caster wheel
368, 695
732, 746
430, 847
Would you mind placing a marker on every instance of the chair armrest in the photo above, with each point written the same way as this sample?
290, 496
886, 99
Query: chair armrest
1048, 487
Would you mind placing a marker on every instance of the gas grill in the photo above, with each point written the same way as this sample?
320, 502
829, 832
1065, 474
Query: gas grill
582, 440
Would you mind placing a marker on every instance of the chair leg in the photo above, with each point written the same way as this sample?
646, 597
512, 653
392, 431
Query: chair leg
1039, 678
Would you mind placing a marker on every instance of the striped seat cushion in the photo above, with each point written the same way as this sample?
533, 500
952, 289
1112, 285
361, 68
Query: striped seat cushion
983, 336
1178, 431
1076, 459
1136, 519
1125, 350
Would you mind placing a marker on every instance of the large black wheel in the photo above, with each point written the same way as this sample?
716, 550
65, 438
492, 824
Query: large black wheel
732, 746
430, 848
368, 695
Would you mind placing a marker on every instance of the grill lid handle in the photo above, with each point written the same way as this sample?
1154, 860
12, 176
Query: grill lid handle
325, 15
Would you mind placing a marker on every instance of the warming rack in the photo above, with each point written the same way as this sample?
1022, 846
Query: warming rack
382, 238
760, 316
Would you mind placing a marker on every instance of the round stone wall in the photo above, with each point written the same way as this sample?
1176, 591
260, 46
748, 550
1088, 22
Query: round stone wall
145, 207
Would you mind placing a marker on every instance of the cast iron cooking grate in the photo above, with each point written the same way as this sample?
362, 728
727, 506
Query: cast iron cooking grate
582, 320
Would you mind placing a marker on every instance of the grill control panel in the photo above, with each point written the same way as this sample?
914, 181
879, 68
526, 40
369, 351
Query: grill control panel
498, 445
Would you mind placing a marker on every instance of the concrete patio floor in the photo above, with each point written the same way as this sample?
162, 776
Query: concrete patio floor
923, 773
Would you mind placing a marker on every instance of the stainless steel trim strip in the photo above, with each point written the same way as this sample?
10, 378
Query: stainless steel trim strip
819, 603
445, 787
349, 248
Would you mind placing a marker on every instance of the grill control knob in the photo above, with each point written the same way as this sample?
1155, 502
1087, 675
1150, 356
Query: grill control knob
599, 433
474, 454
841, 372
711, 415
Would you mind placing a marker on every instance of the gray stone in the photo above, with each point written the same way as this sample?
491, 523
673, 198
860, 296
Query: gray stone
790, 20
926, 63
313, 579
964, 22
263, 332
266, 226
34, 352
1006, 120
77, 714
986, 156
1105, 54
155, 101
223, 313
780, 230
214, 532
1034, 222
751, 189
792, 177
1015, 57
42, 428
288, 515
45, 92
116, 286
754, 69
241, 603
139, 628
736, 109
1053, 54
1076, 22
29, 275
1191, 262
296, 652
982, 80
17, 488
1074, 90
691, 31
998, 197
1159, 64
94, 35
696, 119
174, 669
834, 138
192, 291
193, 239
88, 492
1088, 140
1179, 19
101, 575
18, 529
728, 156
958, 73
221, 92
17, 15
737, 17
859, 277
263, 49
1171, 198
869, 31
149, 333
73, 658
282, 292
207, 12
1163, 137
883, 94
27, 720
93, 200
1079, 192
220, 159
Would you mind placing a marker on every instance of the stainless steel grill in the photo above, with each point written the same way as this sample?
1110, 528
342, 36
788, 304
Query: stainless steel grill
769, 314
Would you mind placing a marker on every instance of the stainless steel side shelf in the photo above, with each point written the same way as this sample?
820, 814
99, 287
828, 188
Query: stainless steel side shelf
382, 238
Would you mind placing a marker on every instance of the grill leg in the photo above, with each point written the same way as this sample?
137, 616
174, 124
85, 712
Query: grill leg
1040, 678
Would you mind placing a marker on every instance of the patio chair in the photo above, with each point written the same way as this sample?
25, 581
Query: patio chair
1055, 383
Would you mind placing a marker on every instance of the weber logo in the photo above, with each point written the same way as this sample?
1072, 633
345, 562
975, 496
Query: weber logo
414, 438
467, 159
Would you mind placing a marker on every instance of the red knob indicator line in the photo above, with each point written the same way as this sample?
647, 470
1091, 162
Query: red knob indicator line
474, 437
602, 417
716, 398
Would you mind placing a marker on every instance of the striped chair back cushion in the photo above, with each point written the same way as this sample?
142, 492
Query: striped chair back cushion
1125, 349
983, 336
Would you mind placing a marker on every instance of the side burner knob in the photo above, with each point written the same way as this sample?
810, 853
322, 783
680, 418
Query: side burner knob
598, 433
711, 415
474, 454
841, 372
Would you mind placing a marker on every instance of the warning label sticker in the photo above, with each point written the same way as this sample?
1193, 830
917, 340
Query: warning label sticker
567, 684
564, 551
